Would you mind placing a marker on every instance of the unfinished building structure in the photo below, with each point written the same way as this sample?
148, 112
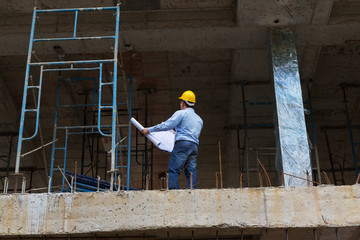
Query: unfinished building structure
277, 85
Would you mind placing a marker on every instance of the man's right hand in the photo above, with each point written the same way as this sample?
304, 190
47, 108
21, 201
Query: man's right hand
145, 131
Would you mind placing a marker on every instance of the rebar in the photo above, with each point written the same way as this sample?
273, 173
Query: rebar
308, 178
23, 185
6, 185
282, 178
267, 178
326, 177
217, 179
221, 180
260, 179
72, 184
358, 178
191, 180
242, 235
98, 184
167, 181
119, 183
337, 234
315, 234
300, 178
147, 182
286, 234
241, 180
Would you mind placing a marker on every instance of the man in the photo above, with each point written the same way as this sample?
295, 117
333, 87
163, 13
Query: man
188, 126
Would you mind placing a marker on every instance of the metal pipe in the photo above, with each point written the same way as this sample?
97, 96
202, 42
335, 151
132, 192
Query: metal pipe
75, 23
22, 117
71, 62
76, 9
72, 39
36, 149
71, 69
129, 130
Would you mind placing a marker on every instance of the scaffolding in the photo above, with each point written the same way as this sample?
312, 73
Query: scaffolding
110, 130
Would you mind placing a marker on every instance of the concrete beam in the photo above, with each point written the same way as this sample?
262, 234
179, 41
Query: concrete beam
194, 38
159, 211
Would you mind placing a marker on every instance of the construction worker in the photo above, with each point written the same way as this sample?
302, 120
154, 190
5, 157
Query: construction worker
188, 126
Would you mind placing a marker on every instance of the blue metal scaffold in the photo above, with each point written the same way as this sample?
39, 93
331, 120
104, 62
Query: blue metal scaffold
111, 130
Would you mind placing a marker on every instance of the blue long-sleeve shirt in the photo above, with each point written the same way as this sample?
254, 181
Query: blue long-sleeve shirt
187, 125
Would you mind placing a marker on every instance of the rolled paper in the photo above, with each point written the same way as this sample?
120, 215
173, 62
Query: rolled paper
155, 141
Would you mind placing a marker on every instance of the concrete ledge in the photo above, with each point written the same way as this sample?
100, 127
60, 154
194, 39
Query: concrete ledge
248, 208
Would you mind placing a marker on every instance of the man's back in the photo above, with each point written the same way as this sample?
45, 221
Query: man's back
189, 127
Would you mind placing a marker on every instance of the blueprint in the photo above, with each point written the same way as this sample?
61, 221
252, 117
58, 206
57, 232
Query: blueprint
164, 140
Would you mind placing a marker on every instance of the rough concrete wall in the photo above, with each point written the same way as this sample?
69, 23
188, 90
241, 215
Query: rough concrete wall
53, 214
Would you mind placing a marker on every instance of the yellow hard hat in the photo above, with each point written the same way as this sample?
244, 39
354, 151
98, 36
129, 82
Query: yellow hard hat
189, 97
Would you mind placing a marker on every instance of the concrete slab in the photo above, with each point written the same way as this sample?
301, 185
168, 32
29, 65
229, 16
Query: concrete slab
248, 208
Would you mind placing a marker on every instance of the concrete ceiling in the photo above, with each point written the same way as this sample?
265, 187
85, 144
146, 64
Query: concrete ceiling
210, 47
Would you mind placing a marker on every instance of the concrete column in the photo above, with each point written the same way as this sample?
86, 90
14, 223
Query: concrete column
293, 154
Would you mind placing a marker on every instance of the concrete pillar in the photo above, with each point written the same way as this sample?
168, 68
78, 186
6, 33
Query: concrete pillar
293, 154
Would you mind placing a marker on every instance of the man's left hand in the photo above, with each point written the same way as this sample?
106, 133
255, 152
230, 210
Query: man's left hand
145, 131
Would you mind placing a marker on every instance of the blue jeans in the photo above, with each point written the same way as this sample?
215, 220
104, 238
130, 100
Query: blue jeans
183, 155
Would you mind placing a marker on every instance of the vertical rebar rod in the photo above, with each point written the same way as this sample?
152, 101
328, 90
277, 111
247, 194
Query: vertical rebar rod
167, 181
315, 234
191, 180
286, 234
217, 180
6, 185
23, 185
241, 180
220, 165
337, 234
98, 184
119, 183
72, 184
147, 182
